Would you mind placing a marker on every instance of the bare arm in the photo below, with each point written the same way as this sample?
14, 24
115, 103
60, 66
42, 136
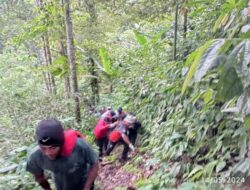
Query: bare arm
112, 125
92, 174
43, 182
127, 141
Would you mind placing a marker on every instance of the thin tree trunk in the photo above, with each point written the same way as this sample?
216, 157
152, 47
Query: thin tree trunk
50, 84
47, 74
185, 26
49, 58
175, 30
45, 57
67, 89
63, 52
94, 83
185, 23
46, 81
71, 58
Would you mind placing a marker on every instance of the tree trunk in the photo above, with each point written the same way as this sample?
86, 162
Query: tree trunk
185, 23
46, 82
175, 30
63, 52
46, 74
49, 78
94, 83
185, 15
49, 58
71, 58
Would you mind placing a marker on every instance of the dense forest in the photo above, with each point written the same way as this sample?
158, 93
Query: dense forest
182, 66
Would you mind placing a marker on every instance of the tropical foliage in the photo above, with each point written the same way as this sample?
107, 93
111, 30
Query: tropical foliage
194, 107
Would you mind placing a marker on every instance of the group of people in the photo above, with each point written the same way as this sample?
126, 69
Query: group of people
70, 158
116, 128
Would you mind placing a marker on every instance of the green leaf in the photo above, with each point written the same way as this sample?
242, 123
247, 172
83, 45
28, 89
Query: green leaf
243, 148
208, 95
242, 4
187, 186
226, 46
141, 39
175, 170
247, 121
229, 85
208, 60
106, 62
220, 166
157, 36
195, 170
208, 169
194, 66
218, 22
59, 67
242, 167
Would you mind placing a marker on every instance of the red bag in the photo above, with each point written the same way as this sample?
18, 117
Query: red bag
115, 136
70, 138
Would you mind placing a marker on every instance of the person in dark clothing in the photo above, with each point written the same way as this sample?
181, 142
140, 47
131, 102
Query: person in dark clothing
120, 114
120, 134
132, 135
72, 161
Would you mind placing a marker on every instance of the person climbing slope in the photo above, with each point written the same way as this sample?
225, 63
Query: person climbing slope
72, 161
120, 134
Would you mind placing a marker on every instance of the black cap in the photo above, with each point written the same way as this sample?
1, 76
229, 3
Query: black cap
50, 132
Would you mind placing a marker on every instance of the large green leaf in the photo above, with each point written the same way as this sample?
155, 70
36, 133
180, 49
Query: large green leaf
208, 59
235, 73
107, 66
241, 54
229, 85
197, 58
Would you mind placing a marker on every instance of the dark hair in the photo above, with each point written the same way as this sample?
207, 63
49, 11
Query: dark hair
112, 113
119, 110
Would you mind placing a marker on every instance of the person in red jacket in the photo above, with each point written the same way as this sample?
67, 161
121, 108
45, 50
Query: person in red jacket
66, 154
101, 131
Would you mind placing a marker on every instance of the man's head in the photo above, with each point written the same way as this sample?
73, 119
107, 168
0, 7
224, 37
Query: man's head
50, 137
130, 121
119, 110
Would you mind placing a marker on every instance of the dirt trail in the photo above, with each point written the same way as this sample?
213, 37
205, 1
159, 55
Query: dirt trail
112, 176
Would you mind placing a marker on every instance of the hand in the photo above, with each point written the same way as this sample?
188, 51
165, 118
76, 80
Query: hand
132, 147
